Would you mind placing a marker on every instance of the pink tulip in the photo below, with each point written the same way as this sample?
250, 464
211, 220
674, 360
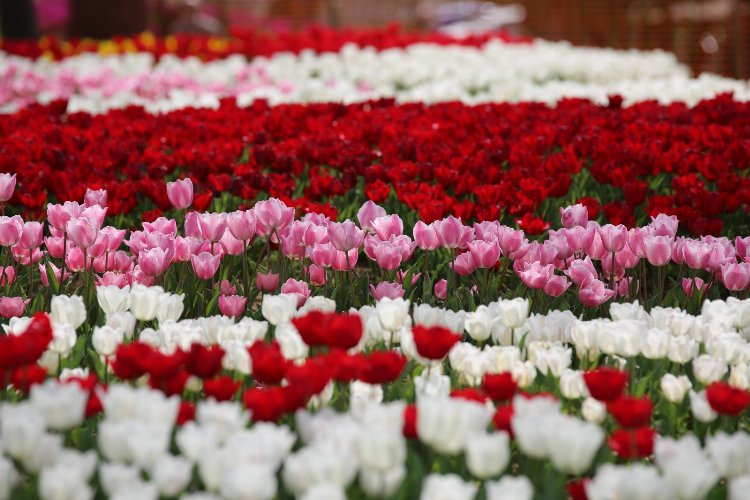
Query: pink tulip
99, 247
742, 246
401, 275
242, 224
636, 241
21, 255
186, 247
484, 253
59, 215
162, 225
696, 254
340, 261
56, 272
7, 186
192, 229
180, 193
658, 249
230, 244
74, 260
594, 293
323, 254
317, 275
388, 225
385, 254
691, 285
626, 258
389, 290
54, 246
487, 230
292, 245
452, 233
154, 262
580, 238
96, 213
368, 213
212, 226
82, 231
623, 287
345, 236
556, 285
533, 274
574, 215
736, 277
31, 235
664, 225
464, 264
11, 307
95, 197
11, 229
136, 276
560, 243
272, 215
441, 289
612, 270
581, 270
120, 261
613, 237
597, 250
512, 242
205, 265
678, 250
232, 305
298, 288
426, 236
226, 288
114, 237
7, 275
717, 257
120, 280
267, 282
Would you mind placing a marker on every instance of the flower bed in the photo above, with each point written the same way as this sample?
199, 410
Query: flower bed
514, 162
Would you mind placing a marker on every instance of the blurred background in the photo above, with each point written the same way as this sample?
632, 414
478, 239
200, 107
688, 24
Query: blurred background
708, 35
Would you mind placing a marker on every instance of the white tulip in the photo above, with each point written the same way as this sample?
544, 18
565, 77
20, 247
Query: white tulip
63, 339
510, 488
479, 324
572, 385
248, 480
655, 344
393, 313
62, 405
381, 484
106, 339
447, 487
446, 424
69, 310
513, 312
280, 308
708, 369
113, 299
700, 408
171, 475
170, 307
675, 387
487, 455
144, 301
593, 410
125, 321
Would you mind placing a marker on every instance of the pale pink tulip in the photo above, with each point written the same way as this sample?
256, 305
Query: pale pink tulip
7, 186
232, 305
205, 265
272, 215
298, 288
594, 293
387, 290
180, 193
387, 226
484, 253
242, 224
345, 236
426, 236
95, 197
574, 215
212, 226
11, 229
368, 213
268, 282
452, 233
658, 250
613, 237
12, 306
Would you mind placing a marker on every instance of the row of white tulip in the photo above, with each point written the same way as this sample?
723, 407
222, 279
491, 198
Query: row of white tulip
496, 72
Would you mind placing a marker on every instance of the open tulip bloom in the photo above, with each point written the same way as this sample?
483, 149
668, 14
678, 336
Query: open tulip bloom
232, 292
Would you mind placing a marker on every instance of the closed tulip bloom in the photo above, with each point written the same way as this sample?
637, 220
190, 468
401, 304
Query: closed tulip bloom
82, 231
387, 226
153, 262
664, 225
484, 253
11, 229
742, 246
689, 286
533, 274
452, 233
212, 226
296, 288
441, 289
184, 248
180, 193
113, 299
59, 215
556, 285
95, 197
736, 277
426, 236
272, 215
12, 306
31, 235
242, 224
487, 455
267, 282
368, 213
580, 237
464, 264
658, 250
69, 310
386, 255
345, 235
205, 265
232, 305
385, 289
7, 186
613, 237
574, 215
675, 388
696, 254
106, 339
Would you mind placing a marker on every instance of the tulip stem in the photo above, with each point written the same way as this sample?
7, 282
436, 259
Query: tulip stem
31, 271
245, 285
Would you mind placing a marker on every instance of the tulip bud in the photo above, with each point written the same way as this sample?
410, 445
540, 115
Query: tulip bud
675, 388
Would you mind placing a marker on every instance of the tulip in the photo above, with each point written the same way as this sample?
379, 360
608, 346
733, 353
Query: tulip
594, 293
664, 225
736, 277
144, 301
385, 289
452, 233
487, 455
268, 282
180, 193
426, 236
464, 264
574, 215
658, 250
368, 213
613, 237
387, 226
272, 215
297, 288
106, 339
695, 284
153, 262
113, 299
317, 275
485, 254
8, 274
31, 235
675, 388
242, 224
95, 197
212, 226
12, 306
345, 236
11, 229
232, 305
534, 275
109, 278
441, 289
515, 487
205, 265
7, 186
82, 231
556, 285
742, 245
278, 309
580, 238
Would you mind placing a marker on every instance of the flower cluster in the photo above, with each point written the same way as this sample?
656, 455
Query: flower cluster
494, 72
516, 162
